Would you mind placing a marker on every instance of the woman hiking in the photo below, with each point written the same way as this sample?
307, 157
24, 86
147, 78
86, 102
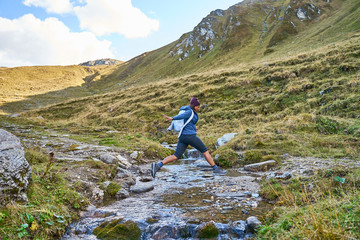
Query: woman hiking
187, 136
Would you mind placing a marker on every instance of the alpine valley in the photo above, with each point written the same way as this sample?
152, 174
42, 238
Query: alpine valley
282, 75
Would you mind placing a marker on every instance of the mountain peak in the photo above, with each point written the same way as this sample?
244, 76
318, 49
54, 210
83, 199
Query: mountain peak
103, 61
266, 21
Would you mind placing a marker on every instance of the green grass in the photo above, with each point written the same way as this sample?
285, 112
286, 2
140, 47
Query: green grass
52, 204
325, 206
51, 208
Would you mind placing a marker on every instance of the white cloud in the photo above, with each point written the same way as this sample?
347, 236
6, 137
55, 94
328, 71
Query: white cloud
114, 16
31, 41
51, 6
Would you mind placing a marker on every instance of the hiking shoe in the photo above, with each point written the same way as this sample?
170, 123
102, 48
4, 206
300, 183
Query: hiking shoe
218, 171
154, 169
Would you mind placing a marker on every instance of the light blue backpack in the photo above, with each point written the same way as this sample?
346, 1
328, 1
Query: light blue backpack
179, 125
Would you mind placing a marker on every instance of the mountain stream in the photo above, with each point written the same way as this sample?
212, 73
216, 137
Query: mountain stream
185, 196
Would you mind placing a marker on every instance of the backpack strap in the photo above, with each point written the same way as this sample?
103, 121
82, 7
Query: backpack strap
191, 117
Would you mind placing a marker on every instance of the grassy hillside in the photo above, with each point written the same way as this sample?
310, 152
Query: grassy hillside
303, 105
34, 87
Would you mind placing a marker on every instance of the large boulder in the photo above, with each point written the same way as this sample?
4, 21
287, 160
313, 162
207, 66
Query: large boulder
15, 171
224, 139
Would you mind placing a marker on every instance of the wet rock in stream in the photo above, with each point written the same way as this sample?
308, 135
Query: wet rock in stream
142, 187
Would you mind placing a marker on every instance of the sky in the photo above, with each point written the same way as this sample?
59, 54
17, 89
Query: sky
66, 32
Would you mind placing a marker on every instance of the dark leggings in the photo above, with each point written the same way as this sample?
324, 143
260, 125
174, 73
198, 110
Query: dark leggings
185, 141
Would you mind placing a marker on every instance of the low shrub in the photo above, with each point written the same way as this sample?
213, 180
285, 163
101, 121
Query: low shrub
226, 157
112, 188
253, 156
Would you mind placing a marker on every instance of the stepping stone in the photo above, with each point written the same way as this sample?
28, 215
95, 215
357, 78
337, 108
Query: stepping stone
262, 166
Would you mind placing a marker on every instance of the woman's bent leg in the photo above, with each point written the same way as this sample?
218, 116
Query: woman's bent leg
169, 159
208, 158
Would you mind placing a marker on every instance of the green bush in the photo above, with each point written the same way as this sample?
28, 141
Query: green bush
253, 156
226, 157
112, 188
34, 155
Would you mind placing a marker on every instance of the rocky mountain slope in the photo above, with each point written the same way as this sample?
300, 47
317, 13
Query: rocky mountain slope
103, 61
251, 31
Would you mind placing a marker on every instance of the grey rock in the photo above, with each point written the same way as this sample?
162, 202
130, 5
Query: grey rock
301, 13
193, 154
97, 195
224, 139
134, 155
201, 164
253, 223
239, 227
106, 184
255, 195
128, 182
108, 158
146, 179
123, 173
141, 188
262, 166
122, 193
15, 171
280, 175
166, 232
232, 195
134, 169
228, 208
244, 211
123, 162
222, 227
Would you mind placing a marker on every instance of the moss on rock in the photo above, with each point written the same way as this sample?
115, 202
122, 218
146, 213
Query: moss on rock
128, 230
227, 157
208, 231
